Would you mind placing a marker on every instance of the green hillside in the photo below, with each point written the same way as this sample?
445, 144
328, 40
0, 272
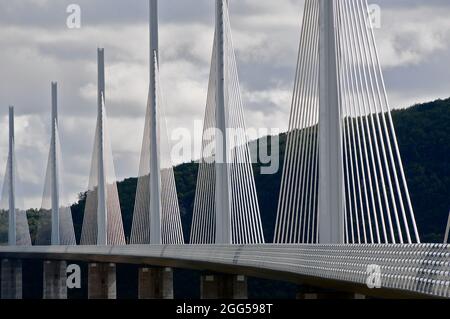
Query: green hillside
424, 138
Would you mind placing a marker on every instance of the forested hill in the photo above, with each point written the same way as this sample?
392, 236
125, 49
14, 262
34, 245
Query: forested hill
424, 138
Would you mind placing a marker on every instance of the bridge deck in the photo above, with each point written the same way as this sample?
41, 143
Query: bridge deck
406, 270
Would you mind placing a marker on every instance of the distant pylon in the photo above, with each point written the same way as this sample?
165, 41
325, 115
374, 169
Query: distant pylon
226, 209
13, 220
343, 179
55, 238
55, 225
102, 224
12, 239
156, 218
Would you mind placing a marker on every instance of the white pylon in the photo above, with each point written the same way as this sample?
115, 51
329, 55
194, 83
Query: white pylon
102, 222
55, 236
155, 152
102, 214
226, 209
223, 182
343, 179
12, 235
331, 199
156, 215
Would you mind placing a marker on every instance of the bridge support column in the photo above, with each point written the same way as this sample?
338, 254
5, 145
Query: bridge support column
155, 283
55, 277
308, 292
11, 281
223, 286
102, 281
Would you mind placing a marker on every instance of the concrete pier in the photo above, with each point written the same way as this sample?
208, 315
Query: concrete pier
11, 279
308, 292
102, 281
55, 277
155, 283
223, 286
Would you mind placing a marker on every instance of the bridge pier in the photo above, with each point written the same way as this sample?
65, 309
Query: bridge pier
155, 283
308, 292
55, 277
11, 280
102, 281
223, 286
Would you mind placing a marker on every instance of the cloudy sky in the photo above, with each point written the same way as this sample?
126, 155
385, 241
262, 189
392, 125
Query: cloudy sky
36, 47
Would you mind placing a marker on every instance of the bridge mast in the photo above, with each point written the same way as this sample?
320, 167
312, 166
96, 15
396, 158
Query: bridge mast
155, 161
331, 203
343, 179
225, 175
223, 182
102, 214
12, 237
55, 235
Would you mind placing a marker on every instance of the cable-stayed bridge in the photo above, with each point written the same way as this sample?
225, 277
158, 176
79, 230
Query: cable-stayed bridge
345, 221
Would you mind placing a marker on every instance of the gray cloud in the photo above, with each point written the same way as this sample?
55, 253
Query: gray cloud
37, 48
